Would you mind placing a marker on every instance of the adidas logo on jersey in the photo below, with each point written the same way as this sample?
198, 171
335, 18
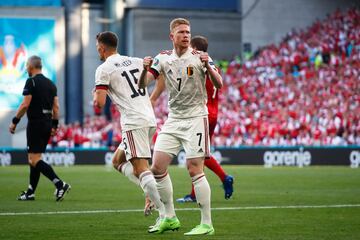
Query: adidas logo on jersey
200, 150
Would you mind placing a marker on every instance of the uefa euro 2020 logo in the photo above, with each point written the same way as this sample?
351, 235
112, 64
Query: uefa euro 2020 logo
13, 57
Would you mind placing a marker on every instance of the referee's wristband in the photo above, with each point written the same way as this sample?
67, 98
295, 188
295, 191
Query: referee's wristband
15, 120
55, 123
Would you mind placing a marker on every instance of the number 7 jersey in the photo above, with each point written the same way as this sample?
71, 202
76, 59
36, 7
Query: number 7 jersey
184, 82
119, 76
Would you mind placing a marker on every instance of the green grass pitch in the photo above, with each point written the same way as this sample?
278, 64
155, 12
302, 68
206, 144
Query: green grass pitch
101, 188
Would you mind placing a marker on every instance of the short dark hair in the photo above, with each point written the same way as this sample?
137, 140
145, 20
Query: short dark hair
200, 43
107, 38
35, 62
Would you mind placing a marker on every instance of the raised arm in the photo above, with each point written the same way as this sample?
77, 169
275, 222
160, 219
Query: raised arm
215, 77
146, 76
158, 89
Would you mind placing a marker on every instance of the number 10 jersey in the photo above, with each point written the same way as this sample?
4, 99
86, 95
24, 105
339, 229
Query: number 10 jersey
119, 76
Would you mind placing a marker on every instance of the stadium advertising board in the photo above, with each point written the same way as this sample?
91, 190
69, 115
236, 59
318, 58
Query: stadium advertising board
291, 156
19, 39
268, 157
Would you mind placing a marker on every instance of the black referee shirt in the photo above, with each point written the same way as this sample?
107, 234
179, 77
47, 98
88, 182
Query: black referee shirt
43, 92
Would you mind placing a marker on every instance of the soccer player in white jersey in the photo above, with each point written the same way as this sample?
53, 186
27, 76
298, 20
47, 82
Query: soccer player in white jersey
117, 77
184, 70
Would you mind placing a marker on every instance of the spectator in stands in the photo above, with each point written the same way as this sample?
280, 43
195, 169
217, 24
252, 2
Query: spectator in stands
303, 91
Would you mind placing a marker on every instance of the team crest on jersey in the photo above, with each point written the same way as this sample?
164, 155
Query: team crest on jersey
190, 70
156, 62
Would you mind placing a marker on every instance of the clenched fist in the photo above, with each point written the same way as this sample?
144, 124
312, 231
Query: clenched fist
147, 62
204, 57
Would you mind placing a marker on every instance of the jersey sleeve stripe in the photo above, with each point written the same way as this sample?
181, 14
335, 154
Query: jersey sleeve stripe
154, 72
102, 87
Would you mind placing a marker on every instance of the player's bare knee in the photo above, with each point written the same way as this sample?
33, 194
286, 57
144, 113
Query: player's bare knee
139, 171
153, 170
194, 171
31, 163
115, 163
160, 162
118, 158
156, 170
136, 173
194, 168
140, 165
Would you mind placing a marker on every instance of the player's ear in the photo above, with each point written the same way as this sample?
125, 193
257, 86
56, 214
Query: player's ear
102, 48
171, 36
29, 69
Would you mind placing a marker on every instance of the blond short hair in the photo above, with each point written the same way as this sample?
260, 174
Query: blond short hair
178, 21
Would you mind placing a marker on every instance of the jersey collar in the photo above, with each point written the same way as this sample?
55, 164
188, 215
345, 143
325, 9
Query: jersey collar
189, 50
112, 56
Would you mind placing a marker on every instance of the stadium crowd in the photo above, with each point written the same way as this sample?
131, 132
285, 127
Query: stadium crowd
303, 91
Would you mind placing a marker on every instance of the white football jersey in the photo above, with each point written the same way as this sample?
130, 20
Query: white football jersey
119, 75
184, 81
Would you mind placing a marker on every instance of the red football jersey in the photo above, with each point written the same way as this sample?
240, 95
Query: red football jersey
213, 98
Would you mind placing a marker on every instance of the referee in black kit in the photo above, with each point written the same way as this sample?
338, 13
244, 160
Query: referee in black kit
42, 106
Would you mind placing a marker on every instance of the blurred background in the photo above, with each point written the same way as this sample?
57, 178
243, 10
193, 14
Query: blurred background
291, 71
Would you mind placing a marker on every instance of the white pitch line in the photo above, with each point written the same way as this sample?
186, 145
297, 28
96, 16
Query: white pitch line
180, 209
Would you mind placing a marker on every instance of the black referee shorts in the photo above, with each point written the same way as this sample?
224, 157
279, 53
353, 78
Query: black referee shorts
38, 134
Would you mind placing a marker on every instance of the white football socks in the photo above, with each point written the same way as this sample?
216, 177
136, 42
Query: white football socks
165, 188
127, 169
148, 184
203, 196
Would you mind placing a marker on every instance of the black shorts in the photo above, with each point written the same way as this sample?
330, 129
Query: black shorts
38, 134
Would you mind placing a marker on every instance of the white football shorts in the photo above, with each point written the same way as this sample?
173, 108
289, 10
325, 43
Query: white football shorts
136, 143
192, 135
